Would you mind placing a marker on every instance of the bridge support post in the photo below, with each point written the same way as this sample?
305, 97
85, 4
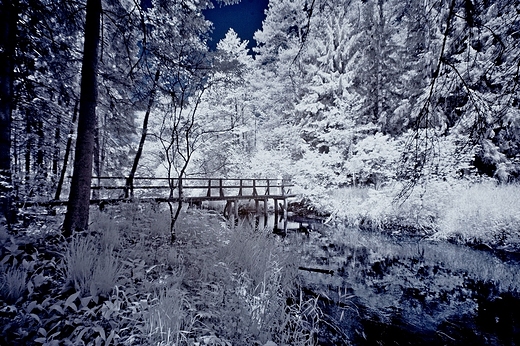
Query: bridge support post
265, 207
235, 211
275, 211
285, 214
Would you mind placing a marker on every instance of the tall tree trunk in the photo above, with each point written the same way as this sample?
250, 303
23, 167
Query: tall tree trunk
97, 162
9, 16
40, 153
76, 217
130, 181
56, 151
68, 149
28, 144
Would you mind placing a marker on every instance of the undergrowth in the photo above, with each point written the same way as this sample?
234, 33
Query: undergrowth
124, 283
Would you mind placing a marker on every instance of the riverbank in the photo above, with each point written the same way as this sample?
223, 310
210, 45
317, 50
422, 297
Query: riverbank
125, 283
481, 214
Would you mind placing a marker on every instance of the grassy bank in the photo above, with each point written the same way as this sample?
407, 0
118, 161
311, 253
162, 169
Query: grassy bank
470, 213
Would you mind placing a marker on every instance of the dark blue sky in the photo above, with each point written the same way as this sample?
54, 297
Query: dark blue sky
245, 18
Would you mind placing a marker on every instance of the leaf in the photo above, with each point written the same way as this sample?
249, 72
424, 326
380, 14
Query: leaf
70, 301
30, 287
38, 280
36, 317
85, 301
54, 335
150, 269
26, 265
31, 306
5, 259
42, 332
110, 337
40, 340
80, 335
57, 308
101, 332
54, 342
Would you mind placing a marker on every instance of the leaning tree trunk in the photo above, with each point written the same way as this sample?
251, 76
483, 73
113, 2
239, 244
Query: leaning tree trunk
9, 15
129, 191
76, 217
68, 149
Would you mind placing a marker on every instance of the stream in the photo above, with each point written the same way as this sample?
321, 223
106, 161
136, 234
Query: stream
384, 289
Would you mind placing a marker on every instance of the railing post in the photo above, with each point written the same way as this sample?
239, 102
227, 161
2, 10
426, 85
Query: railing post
267, 192
255, 193
240, 190
209, 188
220, 188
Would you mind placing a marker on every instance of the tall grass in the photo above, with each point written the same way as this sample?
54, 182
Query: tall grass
80, 260
89, 268
168, 321
483, 213
451, 210
12, 283
264, 278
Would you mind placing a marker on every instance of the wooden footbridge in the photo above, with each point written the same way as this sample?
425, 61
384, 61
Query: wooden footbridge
193, 191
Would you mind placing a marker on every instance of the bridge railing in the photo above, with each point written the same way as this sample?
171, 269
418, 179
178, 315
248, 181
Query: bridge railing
119, 187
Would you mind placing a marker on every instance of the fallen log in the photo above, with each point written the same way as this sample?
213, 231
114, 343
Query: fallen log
317, 270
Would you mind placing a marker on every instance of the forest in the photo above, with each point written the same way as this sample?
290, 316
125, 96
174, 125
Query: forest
397, 123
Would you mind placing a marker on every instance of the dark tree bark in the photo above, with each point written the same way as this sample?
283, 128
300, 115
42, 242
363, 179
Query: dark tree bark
56, 151
8, 26
68, 149
130, 181
76, 217
29, 142
97, 162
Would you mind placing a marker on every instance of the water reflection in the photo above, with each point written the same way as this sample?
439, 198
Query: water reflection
278, 224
